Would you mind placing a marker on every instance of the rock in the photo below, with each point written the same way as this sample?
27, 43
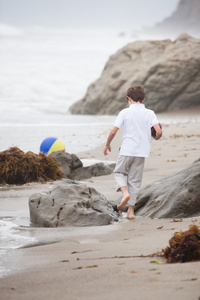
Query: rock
169, 71
73, 168
68, 162
176, 196
70, 203
185, 18
95, 170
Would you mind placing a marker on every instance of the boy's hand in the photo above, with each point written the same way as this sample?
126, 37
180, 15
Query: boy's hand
106, 149
109, 140
156, 131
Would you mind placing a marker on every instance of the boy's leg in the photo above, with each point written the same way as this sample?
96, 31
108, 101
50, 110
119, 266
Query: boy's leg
121, 171
134, 181
130, 213
125, 198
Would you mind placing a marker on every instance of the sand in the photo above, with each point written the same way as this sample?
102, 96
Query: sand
108, 262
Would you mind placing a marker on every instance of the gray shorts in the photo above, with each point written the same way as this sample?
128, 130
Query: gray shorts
128, 172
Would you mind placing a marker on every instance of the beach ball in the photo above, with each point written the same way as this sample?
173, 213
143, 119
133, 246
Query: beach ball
51, 144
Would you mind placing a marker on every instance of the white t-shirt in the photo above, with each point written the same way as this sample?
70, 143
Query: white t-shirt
137, 121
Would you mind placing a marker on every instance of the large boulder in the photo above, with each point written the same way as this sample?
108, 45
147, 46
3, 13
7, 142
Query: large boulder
72, 167
176, 196
169, 71
70, 203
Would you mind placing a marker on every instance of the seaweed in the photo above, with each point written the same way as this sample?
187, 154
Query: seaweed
18, 167
184, 246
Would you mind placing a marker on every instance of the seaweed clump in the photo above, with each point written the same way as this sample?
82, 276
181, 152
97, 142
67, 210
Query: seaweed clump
17, 167
184, 246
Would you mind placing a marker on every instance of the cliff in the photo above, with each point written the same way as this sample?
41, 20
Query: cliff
186, 18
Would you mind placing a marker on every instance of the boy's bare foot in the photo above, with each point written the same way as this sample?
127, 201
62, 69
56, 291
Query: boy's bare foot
125, 199
130, 213
130, 216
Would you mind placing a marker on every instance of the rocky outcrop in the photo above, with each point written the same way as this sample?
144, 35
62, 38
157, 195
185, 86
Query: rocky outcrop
98, 169
186, 18
176, 196
169, 71
70, 203
73, 168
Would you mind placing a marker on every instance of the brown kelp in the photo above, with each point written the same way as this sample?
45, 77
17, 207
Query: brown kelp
18, 167
184, 246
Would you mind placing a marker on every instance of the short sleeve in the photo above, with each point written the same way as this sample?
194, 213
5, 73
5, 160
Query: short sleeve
154, 119
119, 120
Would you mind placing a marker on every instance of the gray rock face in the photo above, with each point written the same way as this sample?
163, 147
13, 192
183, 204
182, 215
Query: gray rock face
70, 203
68, 162
176, 196
169, 71
186, 17
73, 168
95, 170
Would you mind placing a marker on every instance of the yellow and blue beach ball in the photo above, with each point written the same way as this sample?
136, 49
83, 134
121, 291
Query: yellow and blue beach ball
51, 144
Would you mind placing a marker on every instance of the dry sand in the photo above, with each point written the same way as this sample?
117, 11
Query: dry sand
108, 262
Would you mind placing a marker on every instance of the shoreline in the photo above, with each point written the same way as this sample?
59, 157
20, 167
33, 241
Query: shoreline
91, 262
77, 132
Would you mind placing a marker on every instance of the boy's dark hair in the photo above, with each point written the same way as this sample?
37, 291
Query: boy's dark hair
136, 93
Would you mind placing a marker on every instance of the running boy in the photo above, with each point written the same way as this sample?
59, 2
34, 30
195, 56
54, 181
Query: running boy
137, 121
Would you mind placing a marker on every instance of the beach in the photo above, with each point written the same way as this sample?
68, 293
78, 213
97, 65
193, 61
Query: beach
108, 262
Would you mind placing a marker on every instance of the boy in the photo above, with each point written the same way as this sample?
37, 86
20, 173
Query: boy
137, 121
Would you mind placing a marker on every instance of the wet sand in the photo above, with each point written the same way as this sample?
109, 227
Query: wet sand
104, 263
108, 262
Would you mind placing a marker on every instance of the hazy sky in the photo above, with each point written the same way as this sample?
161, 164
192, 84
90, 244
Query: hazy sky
121, 14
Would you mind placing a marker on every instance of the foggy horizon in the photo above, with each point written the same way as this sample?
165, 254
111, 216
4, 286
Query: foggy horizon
87, 14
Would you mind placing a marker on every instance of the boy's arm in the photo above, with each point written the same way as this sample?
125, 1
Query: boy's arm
158, 130
109, 140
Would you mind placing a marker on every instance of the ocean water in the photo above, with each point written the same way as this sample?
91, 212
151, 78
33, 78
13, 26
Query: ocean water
42, 73
46, 71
